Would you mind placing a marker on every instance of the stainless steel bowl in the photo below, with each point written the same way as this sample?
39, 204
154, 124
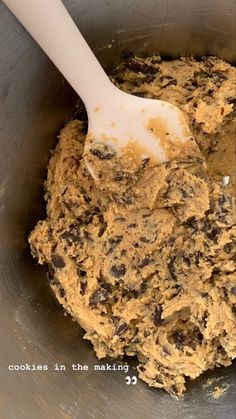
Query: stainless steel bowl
34, 102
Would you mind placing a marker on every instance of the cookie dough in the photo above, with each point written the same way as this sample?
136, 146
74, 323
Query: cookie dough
147, 265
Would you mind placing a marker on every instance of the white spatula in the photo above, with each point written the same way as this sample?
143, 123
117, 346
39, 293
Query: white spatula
145, 128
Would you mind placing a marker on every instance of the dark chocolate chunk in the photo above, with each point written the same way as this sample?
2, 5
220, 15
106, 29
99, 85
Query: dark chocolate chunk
143, 288
73, 235
144, 262
138, 66
213, 234
158, 379
145, 161
157, 320
144, 239
58, 261
149, 78
118, 176
233, 290
222, 200
178, 339
171, 241
122, 219
147, 215
103, 151
82, 280
231, 100
118, 270
187, 260
140, 94
171, 267
121, 329
184, 193
197, 255
119, 80
228, 247
98, 296
83, 285
112, 243
54, 282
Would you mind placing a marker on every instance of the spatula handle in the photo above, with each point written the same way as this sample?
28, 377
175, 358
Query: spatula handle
52, 27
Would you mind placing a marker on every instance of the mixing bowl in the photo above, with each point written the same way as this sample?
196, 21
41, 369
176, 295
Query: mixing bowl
34, 102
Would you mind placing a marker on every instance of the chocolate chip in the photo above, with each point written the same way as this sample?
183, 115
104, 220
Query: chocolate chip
157, 320
140, 94
138, 66
144, 262
228, 247
83, 285
171, 267
103, 151
143, 288
184, 193
58, 261
106, 286
144, 239
55, 283
147, 215
82, 280
231, 100
222, 200
145, 161
121, 329
149, 78
112, 243
178, 339
98, 296
73, 235
233, 290
122, 219
187, 260
133, 225
119, 79
118, 176
118, 270
171, 241
158, 379
212, 235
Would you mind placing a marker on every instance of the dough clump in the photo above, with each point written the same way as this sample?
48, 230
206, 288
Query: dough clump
147, 266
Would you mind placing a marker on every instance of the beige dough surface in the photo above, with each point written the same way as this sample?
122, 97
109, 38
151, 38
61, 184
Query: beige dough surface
147, 266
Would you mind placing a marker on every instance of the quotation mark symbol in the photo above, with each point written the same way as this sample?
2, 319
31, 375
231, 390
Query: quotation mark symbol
131, 380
